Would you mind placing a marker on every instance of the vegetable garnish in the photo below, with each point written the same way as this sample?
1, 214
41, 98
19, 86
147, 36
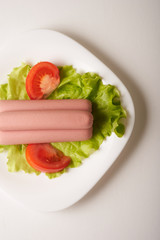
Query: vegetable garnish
46, 158
41, 80
107, 113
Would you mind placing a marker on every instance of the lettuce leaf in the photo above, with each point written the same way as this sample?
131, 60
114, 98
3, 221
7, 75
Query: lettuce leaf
107, 112
16, 88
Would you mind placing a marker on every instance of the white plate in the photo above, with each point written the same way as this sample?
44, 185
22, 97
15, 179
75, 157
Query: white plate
39, 192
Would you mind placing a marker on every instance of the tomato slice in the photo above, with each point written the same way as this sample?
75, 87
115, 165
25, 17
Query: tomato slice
41, 80
45, 158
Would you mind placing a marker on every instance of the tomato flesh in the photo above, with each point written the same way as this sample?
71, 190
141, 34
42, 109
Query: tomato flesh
45, 158
41, 80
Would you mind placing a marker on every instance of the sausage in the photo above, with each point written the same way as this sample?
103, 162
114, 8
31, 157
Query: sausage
43, 136
43, 120
64, 104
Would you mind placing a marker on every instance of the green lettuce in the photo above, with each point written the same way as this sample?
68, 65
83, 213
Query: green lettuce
106, 109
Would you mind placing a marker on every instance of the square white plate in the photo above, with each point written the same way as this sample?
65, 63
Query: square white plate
39, 192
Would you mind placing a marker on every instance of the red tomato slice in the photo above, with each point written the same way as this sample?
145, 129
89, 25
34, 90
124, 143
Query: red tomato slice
45, 158
41, 80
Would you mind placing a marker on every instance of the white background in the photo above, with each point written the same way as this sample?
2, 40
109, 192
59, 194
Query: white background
125, 35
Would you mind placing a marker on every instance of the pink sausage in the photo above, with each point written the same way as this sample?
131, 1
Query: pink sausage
43, 120
44, 136
64, 104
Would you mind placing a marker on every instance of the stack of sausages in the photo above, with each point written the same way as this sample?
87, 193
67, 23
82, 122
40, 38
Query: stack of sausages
45, 121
